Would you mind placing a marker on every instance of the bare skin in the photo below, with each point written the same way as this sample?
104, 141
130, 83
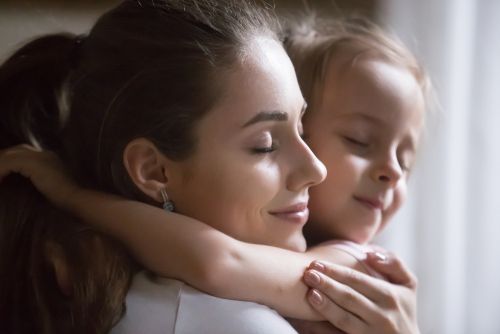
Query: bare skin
351, 301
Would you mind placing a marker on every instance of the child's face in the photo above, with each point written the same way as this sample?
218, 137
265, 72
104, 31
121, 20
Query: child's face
365, 129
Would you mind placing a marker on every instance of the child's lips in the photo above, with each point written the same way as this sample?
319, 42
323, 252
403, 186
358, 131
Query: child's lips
374, 204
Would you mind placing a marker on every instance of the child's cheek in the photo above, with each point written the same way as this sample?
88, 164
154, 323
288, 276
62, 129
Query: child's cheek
399, 198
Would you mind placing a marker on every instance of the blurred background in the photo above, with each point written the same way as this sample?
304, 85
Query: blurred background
449, 231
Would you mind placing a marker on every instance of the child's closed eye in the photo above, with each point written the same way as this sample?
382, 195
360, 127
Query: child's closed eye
356, 142
406, 165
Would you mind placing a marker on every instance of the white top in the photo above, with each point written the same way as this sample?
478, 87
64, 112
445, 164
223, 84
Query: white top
165, 306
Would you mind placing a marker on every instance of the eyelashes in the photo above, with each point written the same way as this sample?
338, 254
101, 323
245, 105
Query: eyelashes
363, 148
270, 145
266, 149
265, 144
355, 142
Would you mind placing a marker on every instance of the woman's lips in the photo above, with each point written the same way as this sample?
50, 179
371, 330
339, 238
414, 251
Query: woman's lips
297, 213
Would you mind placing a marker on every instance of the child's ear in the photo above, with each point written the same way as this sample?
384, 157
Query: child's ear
147, 167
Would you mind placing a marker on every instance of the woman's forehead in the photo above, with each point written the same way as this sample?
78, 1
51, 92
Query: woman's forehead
264, 81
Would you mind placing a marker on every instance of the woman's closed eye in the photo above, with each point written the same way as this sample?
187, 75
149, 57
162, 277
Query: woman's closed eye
265, 149
265, 144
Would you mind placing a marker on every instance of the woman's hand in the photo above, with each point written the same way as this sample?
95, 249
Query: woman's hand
43, 168
358, 303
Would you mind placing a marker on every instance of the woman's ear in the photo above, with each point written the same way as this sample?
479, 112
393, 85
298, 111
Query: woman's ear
146, 166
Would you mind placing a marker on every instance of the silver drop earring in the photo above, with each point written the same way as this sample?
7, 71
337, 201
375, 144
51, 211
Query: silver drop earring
168, 205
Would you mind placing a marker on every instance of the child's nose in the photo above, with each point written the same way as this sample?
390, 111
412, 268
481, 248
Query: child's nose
388, 171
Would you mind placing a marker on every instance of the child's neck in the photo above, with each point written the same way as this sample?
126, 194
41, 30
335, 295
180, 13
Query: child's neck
315, 236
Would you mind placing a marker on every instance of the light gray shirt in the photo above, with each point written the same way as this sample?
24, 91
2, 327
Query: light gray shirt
165, 306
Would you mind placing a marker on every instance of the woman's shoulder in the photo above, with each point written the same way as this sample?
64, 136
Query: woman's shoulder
161, 305
203, 313
150, 307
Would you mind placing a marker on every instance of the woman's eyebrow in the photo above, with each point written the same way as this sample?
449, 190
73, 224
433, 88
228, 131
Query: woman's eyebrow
266, 116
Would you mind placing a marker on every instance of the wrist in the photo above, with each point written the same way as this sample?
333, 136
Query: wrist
73, 199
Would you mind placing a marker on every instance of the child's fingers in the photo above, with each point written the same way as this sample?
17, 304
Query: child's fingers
391, 267
8, 162
14, 160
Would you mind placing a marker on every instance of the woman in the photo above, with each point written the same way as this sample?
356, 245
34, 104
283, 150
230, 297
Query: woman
189, 138
157, 71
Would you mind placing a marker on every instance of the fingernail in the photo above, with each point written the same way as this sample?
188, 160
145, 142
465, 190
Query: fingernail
312, 278
380, 256
315, 297
317, 265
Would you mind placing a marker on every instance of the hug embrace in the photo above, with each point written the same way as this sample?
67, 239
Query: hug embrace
194, 166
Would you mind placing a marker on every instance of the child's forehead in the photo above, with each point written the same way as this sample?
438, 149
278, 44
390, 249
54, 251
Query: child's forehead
356, 62
370, 90
367, 76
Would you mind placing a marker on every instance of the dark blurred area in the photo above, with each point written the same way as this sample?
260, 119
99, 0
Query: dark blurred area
364, 7
23, 19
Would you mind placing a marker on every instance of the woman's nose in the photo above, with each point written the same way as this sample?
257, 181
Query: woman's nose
308, 169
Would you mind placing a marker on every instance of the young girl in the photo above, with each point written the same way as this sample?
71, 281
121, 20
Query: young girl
366, 98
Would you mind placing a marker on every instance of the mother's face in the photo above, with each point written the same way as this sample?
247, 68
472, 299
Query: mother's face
250, 174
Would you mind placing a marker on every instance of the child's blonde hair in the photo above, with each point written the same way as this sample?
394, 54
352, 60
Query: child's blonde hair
312, 43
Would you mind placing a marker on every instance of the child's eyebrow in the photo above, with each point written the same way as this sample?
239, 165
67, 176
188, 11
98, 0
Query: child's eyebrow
360, 117
368, 118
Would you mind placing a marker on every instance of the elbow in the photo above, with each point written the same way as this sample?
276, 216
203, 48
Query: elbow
218, 270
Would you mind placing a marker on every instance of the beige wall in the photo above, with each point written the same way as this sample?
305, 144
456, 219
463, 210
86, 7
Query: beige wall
24, 19
362, 7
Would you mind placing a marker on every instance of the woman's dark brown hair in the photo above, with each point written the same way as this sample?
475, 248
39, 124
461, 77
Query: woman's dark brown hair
148, 69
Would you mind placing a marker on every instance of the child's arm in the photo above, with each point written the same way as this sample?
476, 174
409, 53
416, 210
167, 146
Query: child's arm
177, 246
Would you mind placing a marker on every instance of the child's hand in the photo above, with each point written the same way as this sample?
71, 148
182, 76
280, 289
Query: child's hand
358, 303
43, 168
391, 267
